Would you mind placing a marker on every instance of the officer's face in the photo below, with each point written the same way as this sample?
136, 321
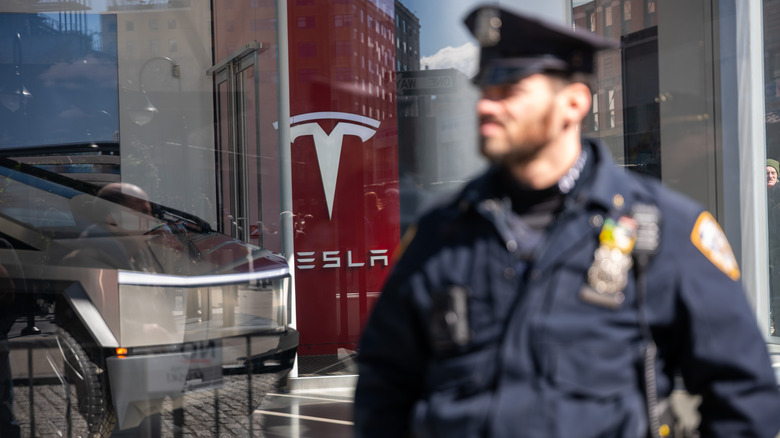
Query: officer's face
518, 120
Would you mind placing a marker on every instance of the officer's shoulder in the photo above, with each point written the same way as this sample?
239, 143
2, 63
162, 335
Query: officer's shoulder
436, 226
453, 206
687, 228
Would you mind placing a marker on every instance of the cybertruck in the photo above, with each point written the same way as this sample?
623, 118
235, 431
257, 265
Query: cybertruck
112, 306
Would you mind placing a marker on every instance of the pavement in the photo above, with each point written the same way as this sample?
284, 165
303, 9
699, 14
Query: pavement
321, 413
285, 407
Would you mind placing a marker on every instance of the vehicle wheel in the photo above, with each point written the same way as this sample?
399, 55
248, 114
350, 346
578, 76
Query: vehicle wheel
91, 386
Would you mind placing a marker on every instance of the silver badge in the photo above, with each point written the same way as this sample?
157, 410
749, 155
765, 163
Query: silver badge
608, 275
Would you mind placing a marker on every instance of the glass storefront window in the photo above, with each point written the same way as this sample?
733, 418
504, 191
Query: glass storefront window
772, 122
195, 193
662, 104
143, 284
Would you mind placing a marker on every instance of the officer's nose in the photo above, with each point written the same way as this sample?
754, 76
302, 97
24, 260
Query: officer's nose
488, 104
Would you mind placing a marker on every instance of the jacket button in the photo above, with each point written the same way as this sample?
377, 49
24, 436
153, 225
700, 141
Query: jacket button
511, 246
509, 273
596, 221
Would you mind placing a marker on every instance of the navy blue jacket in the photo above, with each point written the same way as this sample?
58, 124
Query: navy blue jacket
538, 360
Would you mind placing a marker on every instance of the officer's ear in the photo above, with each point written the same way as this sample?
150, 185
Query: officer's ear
576, 101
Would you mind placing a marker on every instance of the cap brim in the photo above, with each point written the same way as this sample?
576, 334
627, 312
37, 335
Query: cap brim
502, 71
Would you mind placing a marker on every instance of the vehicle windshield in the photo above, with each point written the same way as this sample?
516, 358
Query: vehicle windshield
66, 208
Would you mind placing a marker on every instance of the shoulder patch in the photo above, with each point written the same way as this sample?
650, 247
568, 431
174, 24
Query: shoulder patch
708, 237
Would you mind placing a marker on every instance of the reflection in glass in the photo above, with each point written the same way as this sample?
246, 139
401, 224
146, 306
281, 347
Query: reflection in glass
772, 112
60, 73
437, 134
130, 314
105, 268
625, 110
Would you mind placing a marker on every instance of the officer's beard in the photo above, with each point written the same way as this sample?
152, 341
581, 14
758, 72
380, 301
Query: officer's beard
536, 135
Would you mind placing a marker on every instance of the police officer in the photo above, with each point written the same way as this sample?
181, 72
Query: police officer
559, 295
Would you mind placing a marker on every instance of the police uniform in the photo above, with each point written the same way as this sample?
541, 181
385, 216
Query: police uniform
516, 313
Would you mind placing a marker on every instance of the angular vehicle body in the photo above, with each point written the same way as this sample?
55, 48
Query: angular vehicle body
119, 304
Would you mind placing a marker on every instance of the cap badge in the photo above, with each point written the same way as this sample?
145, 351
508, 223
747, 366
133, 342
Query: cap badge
488, 27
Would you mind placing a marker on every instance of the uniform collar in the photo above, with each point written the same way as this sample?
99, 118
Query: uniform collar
607, 185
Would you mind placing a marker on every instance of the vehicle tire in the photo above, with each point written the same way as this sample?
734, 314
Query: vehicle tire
92, 397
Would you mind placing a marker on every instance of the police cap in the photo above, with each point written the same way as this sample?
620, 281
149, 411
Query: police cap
513, 46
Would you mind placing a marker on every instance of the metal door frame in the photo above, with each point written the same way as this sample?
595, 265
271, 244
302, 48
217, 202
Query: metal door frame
230, 71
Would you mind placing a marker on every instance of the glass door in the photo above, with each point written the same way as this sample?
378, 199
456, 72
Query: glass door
237, 107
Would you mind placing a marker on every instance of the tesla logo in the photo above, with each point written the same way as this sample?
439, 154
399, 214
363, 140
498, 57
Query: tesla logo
333, 259
328, 146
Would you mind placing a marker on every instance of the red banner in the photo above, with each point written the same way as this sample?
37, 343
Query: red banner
343, 134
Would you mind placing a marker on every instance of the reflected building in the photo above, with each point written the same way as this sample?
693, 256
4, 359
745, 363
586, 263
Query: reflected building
625, 110
436, 125
407, 39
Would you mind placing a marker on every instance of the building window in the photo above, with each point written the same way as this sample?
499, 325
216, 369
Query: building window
305, 22
343, 48
611, 103
307, 75
153, 24
173, 46
344, 74
608, 21
307, 50
129, 26
595, 112
154, 47
171, 23
591, 17
626, 16
343, 20
649, 13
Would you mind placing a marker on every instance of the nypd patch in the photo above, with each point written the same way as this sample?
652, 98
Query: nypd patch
708, 237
